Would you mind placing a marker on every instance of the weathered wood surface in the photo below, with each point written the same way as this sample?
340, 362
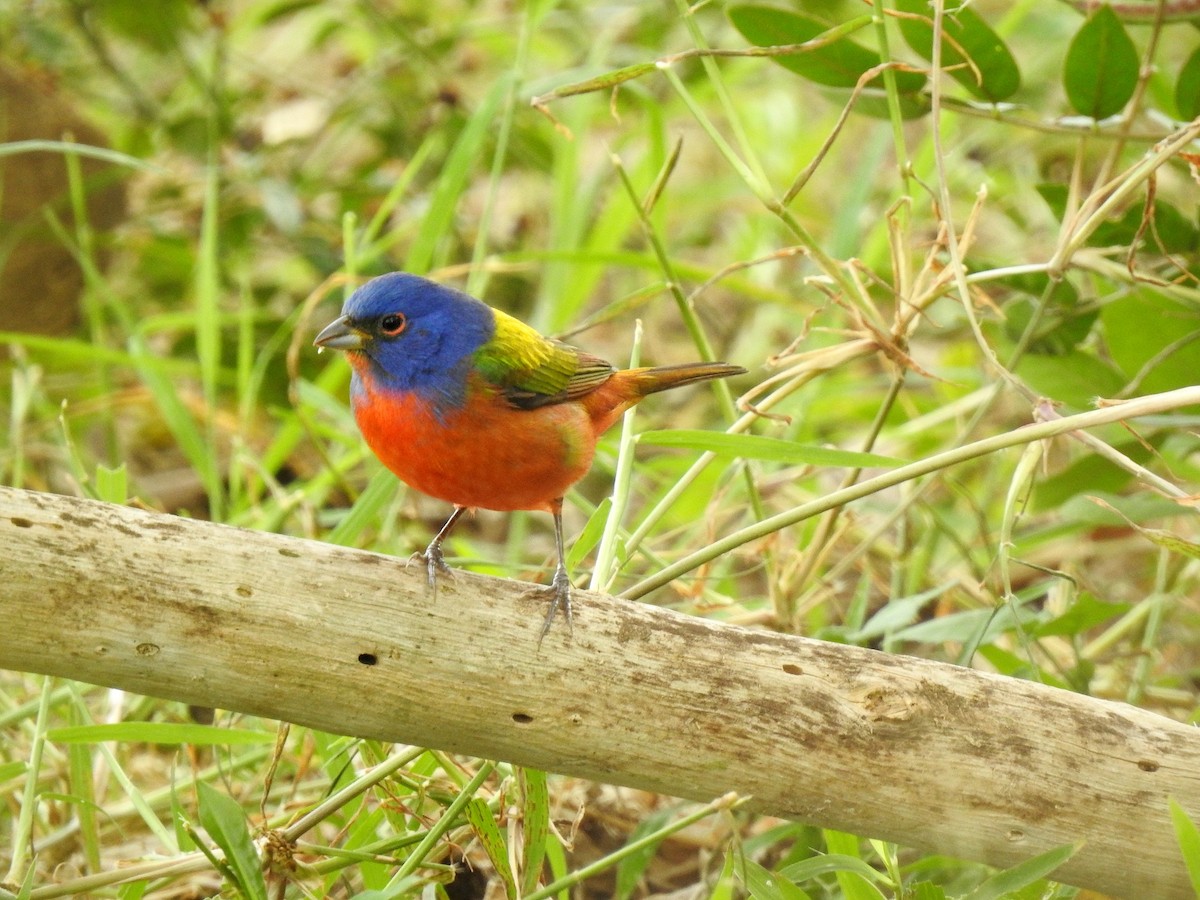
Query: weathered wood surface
932, 756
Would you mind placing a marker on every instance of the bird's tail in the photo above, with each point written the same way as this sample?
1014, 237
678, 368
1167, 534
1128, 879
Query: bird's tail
663, 378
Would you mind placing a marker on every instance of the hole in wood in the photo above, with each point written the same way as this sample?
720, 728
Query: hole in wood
522, 718
792, 669
368, 659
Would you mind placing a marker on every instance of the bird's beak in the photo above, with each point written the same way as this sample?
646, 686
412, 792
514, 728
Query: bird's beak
341, 335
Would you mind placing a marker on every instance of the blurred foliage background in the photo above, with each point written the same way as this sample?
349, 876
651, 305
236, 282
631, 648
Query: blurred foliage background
906, 264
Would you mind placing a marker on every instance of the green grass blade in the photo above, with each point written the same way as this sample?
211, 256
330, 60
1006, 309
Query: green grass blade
102, 153
365, 511
482, 822
535, 816
18, 869
749, 446
449, 818
224, 820
1187, 835
206, 292
764, 884
160, 733
1004, 884
428, 247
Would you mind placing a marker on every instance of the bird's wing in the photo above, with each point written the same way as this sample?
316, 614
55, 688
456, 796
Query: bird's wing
532, 370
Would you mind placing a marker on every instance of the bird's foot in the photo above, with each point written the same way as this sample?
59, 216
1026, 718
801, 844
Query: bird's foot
435, 563
560, 596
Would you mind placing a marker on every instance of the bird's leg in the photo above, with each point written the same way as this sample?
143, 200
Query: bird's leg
434, 560
560, 585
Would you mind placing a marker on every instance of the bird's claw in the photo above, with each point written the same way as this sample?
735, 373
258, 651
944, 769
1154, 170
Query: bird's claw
435, 562
560, 596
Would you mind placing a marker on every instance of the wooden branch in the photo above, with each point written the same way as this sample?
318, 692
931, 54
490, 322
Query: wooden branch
929, 755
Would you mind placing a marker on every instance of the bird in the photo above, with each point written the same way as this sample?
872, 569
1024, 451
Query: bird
470, 405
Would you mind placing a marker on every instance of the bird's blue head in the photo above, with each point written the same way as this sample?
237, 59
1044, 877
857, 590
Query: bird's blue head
406, 333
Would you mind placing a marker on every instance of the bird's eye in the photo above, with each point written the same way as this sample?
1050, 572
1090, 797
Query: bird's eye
393, 324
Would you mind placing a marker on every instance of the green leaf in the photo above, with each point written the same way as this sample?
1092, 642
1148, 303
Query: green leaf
749, 446
1087, 474
828, 864
1188, 838
1187, 88
1055, 195
1064, 322
1168, 540
1075, 379
26, 889
992, 73
1085, 613
839, 64
379, 492
1007, 663
854, 876
183, 829
1154, 338
1020, 667
763, 884
479, 816
225, 822
592, 532
112, 485
896, 614
1101, 70
1097, 509
1002, 884
1169, 230
964, 627
163, 31
535, 815
159, 733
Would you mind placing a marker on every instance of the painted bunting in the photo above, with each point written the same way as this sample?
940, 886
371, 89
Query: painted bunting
469, 405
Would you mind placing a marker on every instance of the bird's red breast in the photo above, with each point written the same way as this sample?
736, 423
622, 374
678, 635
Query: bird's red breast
487, 453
